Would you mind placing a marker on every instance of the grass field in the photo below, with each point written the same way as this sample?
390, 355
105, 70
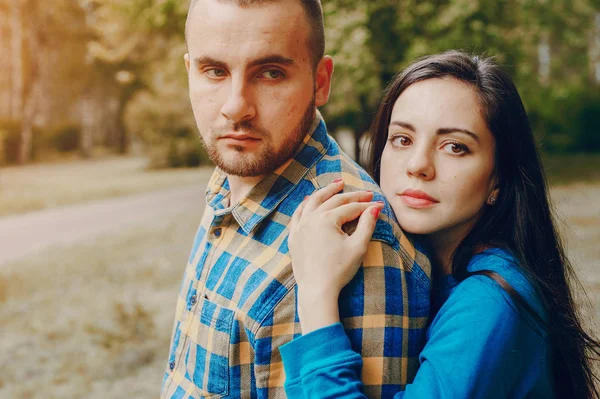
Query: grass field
41, 186
566, 169
93, 320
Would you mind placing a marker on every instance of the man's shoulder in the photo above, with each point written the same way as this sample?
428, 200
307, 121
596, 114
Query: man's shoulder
335, 163
409, 253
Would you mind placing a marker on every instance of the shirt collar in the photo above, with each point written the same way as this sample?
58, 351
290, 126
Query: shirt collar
275, 187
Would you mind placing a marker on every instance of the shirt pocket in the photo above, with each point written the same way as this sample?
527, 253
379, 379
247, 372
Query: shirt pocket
207, 359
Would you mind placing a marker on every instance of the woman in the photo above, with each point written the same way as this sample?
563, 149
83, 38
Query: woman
453, 151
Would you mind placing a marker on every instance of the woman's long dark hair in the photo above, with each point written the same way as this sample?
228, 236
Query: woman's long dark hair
521, 219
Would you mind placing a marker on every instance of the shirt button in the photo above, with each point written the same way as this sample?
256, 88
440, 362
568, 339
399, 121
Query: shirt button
217, 232
171, 366
193, 299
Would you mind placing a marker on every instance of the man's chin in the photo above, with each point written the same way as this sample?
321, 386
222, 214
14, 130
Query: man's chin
242, 164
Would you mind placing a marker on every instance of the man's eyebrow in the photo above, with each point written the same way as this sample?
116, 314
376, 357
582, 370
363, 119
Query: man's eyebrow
269, 59
272, 59
206, 60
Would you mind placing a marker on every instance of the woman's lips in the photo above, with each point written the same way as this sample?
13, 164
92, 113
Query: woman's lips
417, 199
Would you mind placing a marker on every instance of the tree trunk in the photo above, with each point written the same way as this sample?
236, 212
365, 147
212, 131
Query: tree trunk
595, 51
16, 26
87, 123
25, 145
121, 130
32, 95
5, 65
127, 94
544, 59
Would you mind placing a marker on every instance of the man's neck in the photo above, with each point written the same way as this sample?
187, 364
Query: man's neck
241, 186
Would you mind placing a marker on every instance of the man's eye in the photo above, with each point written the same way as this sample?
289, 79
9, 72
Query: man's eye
215, 73
272, 74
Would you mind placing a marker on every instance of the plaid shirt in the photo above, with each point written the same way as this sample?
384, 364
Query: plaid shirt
237, 302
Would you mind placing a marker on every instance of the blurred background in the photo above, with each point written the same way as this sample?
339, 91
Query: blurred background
102, 172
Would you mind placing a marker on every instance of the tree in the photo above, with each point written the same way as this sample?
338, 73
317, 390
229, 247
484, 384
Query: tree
128, 38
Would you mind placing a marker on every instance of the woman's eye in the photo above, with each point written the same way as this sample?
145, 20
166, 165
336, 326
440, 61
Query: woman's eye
215, 73
400, 141
272, 74
455, 148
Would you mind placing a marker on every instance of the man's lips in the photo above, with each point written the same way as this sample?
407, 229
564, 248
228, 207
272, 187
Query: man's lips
417, 198
239, 137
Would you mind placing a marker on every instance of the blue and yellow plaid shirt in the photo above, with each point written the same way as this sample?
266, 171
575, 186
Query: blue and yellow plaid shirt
237, 303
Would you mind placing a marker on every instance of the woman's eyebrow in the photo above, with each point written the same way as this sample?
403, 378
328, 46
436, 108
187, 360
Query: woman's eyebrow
440, 131
404, 125
447, 130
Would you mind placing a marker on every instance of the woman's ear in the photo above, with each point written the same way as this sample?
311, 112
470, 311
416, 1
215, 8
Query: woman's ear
493, 196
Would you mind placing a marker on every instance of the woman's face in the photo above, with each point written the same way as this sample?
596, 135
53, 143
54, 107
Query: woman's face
437, 165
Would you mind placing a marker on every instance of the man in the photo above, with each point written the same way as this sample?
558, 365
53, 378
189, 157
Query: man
256, 75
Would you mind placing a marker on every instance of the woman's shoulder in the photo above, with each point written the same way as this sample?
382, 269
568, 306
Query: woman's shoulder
498, 283
503, 263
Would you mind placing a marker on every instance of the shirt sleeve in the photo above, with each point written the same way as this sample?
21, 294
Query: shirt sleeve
322, 364
479, 347
384, 312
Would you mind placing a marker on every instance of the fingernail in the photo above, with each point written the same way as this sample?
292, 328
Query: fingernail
338, 180
380, 202
375, 212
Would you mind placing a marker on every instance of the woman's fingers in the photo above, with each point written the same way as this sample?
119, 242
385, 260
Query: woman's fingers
322, 195
366, 226
348, 212
296, 217
298, 212
346, 198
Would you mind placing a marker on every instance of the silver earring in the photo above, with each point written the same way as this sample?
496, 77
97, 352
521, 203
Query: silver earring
492, 199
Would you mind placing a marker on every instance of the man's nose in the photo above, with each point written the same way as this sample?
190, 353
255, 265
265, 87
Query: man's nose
239, 105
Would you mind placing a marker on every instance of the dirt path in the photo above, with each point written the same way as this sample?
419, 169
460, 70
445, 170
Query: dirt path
21, 235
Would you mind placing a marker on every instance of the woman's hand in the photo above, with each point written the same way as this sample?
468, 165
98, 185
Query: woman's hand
324, 257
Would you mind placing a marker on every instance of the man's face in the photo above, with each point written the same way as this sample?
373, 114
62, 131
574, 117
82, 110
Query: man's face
252, 85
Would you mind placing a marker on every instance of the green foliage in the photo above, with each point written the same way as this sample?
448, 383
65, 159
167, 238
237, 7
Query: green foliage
356, 84
562, 105
46, 141
64, 138
131, 52
10, 141
186, 152
9, 137
127, 56
569, 122
162, 117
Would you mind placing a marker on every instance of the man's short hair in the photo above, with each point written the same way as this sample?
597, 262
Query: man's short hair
314, 16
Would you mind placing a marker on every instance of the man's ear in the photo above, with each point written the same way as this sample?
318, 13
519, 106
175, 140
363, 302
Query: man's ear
186, 58
323, 76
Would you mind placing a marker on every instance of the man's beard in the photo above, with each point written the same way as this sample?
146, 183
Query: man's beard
266, 160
